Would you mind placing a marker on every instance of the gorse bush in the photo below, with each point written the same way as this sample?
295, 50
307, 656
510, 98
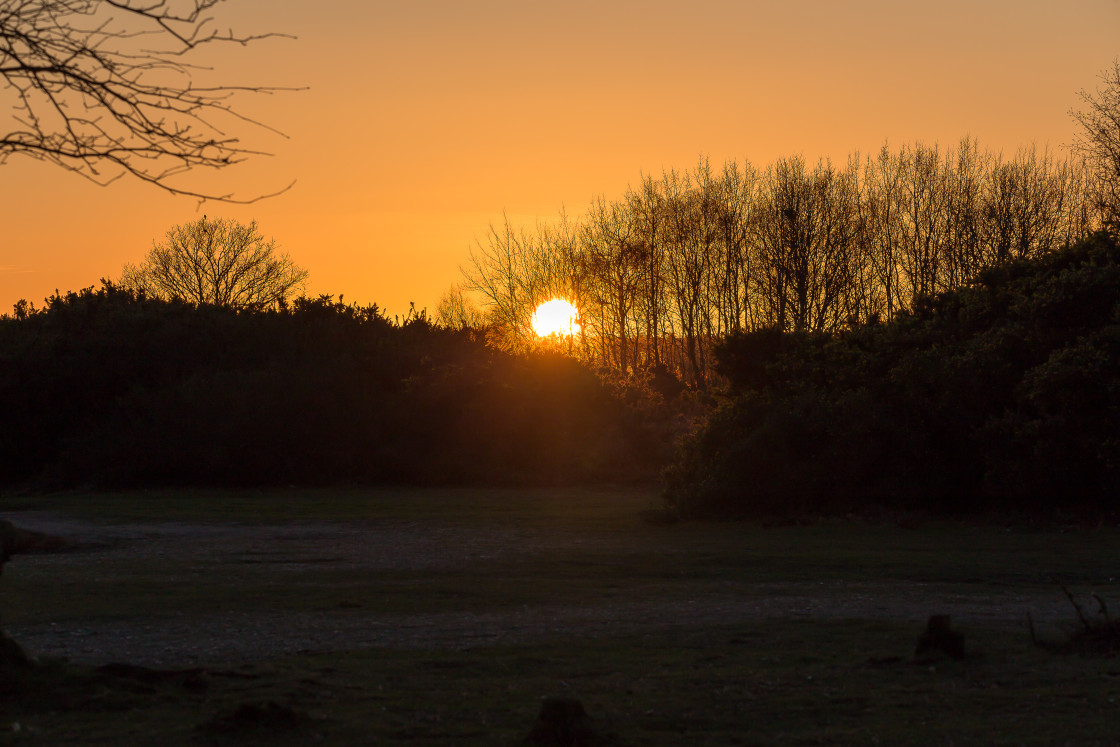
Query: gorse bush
1003, 394
108, 388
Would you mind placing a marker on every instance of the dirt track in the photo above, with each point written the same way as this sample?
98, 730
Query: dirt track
186, 640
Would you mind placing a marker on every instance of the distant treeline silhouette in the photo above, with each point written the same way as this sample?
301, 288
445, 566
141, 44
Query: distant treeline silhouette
109, 388
682, 261
1003, 394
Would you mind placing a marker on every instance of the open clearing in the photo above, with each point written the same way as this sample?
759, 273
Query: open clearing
442, 616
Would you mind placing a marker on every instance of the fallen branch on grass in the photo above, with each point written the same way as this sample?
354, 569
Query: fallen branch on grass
1099, 636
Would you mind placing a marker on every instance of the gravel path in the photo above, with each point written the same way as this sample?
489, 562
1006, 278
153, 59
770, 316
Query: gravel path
196, 640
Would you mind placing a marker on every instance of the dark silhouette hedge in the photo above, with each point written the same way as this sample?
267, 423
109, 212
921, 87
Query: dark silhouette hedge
108, 388
1002, 395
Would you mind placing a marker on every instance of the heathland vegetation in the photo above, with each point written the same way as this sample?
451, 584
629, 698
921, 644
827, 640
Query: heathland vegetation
927, 329
919, 332
1001, 395
108, 387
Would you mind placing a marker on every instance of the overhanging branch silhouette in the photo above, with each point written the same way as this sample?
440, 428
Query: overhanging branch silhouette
104, 88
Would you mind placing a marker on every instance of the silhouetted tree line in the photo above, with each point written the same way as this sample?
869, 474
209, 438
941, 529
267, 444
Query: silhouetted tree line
1004, 393
682, 261
108, 387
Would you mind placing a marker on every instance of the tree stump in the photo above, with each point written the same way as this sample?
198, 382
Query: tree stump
563, 723
939, 637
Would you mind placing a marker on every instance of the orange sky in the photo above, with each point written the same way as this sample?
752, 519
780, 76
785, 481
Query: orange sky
424, 120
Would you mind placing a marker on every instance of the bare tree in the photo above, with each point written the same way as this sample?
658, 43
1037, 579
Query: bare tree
807, 265
647, 208
925, 219
883, 181
504, 275
105, 88
736, 190
1099, 141
615, 259
219, 262
687, 258
964, 207
456, 310
690, 230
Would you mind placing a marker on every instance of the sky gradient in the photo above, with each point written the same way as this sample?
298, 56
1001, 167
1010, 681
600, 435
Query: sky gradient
423, 121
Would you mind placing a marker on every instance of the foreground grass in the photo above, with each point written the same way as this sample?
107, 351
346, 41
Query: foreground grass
820, 681
799, 683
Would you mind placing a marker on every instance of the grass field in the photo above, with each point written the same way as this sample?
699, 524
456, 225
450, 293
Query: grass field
443, 617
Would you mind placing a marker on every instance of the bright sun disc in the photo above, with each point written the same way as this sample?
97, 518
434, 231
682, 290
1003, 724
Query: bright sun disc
555, 317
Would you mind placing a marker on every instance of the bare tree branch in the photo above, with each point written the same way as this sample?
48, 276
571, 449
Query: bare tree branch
1099, 141
104, 88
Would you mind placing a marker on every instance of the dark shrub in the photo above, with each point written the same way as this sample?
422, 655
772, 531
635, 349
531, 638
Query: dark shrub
108, 388
1005, 394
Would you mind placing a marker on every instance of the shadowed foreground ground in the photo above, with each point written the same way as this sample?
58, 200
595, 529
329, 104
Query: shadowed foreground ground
524, 591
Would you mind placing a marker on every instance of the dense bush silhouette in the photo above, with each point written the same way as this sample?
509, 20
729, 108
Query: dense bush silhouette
1004, 394
109, 388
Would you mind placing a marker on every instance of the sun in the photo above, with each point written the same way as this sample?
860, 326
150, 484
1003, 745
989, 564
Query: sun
555, 317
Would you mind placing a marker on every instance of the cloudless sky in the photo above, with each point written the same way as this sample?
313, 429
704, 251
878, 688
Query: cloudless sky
423, 121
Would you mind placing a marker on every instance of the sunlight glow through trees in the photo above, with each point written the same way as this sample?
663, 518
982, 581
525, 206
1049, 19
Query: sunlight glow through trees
555, 317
